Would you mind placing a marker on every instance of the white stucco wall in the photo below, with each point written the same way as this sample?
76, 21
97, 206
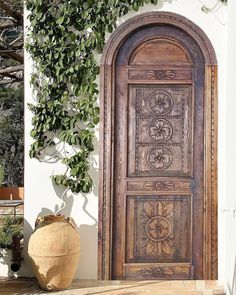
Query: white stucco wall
40, 195
230, 198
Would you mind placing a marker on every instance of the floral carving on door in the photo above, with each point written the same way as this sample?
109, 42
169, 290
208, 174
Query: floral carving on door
160, 102
158, 227
159, 158
160, 130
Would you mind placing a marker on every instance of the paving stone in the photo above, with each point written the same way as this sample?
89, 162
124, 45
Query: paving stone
92, 287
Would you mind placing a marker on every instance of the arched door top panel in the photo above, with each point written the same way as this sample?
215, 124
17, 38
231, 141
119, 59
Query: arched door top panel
159, 51
158, 18
158, 159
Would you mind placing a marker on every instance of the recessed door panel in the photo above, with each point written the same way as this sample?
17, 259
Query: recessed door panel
160, 130
158, 229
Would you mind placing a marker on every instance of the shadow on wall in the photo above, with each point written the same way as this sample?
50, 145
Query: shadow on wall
68, 199
26, 264
87, 245
232, 288
88, 234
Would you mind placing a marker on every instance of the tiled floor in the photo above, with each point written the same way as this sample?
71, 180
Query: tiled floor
92, 287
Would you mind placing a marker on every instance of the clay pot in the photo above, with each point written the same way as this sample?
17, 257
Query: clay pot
54, 250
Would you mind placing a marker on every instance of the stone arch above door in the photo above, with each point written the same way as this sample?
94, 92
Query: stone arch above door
116, 41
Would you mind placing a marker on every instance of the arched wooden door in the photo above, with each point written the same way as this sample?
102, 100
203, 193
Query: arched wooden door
158, 183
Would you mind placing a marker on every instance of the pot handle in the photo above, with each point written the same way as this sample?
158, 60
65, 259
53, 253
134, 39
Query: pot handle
71, 221
38, 220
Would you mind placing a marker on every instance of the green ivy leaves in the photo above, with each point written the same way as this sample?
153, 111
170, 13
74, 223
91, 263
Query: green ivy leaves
79, 167
62, 40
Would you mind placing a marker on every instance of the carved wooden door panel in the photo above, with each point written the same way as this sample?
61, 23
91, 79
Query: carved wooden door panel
158, 157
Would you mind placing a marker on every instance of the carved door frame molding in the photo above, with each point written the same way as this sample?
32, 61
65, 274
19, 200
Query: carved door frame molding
107, 94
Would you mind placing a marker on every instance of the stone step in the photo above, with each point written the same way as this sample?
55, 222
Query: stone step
82, 287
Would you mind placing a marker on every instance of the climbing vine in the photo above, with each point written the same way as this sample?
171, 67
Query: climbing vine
63, 38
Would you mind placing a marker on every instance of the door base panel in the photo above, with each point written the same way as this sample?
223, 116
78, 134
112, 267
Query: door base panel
158, 271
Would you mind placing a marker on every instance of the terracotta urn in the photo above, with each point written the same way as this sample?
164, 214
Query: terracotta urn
54, 249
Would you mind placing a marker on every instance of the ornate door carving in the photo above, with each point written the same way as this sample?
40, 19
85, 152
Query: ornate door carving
155, 191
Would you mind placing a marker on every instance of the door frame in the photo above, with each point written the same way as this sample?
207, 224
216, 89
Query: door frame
107, 96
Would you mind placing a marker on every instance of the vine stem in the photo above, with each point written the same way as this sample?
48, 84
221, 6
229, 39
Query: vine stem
63, 201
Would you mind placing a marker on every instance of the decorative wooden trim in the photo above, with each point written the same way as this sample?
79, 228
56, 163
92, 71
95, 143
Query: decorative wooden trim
106, 138
210, 175
105, 179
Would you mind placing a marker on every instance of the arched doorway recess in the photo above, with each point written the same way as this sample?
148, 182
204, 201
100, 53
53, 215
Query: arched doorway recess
158, 155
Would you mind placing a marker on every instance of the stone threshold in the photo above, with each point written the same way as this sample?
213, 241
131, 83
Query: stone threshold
29, 286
